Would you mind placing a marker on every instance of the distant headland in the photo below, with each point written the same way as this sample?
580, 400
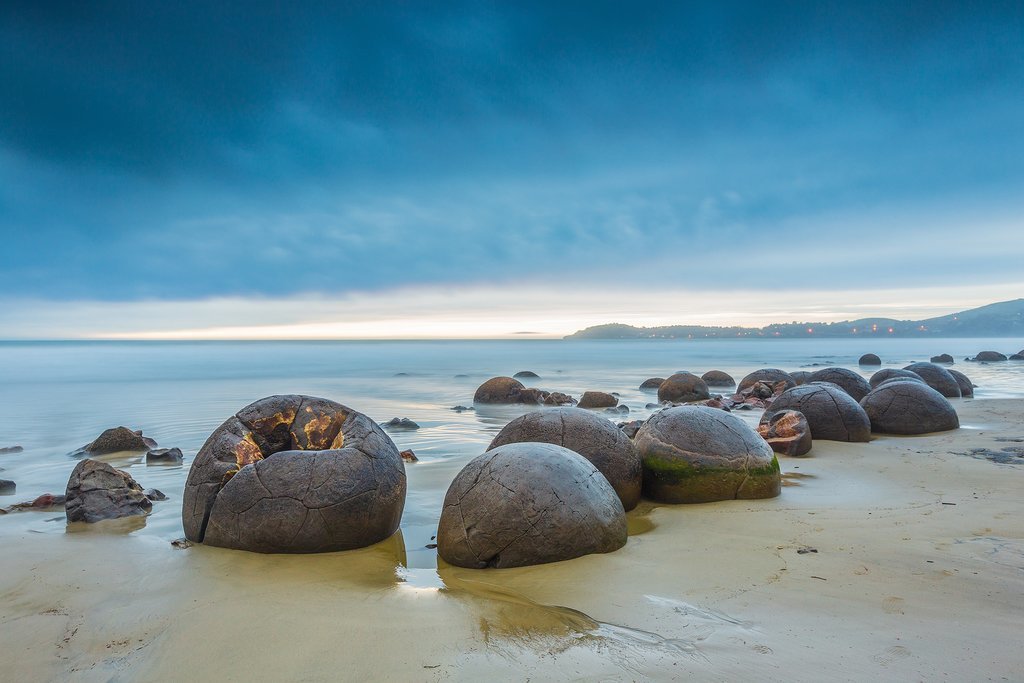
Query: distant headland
1003, 319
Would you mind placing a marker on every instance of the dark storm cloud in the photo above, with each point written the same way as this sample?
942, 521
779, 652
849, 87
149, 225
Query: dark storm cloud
190, 149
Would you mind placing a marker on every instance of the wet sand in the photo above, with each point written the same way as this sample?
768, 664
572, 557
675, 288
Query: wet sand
902, 559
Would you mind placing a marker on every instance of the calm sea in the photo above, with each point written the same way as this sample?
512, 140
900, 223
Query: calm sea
58, 396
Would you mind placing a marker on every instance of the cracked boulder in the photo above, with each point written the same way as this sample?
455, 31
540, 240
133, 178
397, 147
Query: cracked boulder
909, 407
696, 454
528, 503
683, 387
831, 413
96, 491
847, 380
892, 373
295, 474
937, 377
606, 446
766, 375
786, 431
966, 385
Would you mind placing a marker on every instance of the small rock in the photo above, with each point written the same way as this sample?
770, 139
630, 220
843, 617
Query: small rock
631, 428
597, 399
557, 398
11, 449
400, 423
430, 546
786, 431
7, 487
618, 410
652, 406
869, 359
409, 456
652, 383
182, 543
805, 550
164, 456
155, 494
462, 409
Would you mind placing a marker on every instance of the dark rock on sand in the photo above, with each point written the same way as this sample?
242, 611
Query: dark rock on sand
526, 374
528, 503
869, 359
295, 474
786, 431
164, 456
155, 495
908, 407
400, 423
889, 373
583, 432
597, 399
847, 380
652, 383
801, 377
768, 375
831, 413
717, 378
696, 454
938, 378
943, 358
990, 357
965, 383
7, 487
499, 390
683, 387
117, 439
11, 449
96, 491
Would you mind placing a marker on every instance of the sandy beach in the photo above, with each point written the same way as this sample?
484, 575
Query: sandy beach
902, 559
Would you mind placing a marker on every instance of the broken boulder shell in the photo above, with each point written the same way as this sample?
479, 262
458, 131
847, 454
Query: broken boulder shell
786, 431
295, 474
831, 413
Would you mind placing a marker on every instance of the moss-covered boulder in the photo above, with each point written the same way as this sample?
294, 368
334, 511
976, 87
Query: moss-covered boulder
696, 454
831, 413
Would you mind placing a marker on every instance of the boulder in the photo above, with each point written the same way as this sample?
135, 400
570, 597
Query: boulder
683, 387
155, 495
889, 373
96, 491
526, 374
800, 377
528, 503
869, 359
768, 375
786, 431
831, 413
630, 428
909, 407
717, 378
964, 382
583, 432
11, 449
117, 439
938, 378
295, 474
915, 378
557, 398
652, 383
499, 390
409, 456
400, 423
164, 456
847, 380
696, 454
989, 357
943, 358
1017, 356
7, 487
597, 399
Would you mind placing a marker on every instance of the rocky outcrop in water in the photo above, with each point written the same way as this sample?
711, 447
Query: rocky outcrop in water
869, 359
943, 358
164, 456
989, 357
651, 383
766, 375
96, 491
116, 440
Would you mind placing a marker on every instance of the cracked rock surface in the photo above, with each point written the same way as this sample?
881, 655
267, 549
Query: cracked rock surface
786, 431
606, 446
937, 377
966, 385
847, 380
909, 407
528, 503
97, 491
831, 413
892, 373
295, 474
696, 454
766, 375
683, 387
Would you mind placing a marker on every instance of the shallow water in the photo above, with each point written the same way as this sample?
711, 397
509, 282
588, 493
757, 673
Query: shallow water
58, 396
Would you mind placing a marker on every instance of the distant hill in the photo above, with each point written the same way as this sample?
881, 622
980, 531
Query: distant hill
1004, 319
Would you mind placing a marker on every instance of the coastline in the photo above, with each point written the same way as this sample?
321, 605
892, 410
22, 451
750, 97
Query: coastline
916, 575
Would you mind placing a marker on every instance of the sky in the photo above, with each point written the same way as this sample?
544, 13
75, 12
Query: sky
365, 170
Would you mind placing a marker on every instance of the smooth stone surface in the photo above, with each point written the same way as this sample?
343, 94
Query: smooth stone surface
890, 373
683, 387
937, 377
499, 390
847, 380
717, 378
869, 359
943, 358
767, 375
696, 454
786, 431
909, 407
831, 413
964, 382
164, 456
96, 491
597, 399
581, 431
295, 474
528, 503
652, 383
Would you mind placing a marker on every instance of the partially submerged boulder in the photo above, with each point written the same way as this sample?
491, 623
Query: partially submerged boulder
889, 373
164, 456
990, 357
937, 377
767, 375
717, 378
295, 474
909, 407
400, 423
117, 439
651, 383
847, 380
597, 399
526, 374
499, 390
943, 358
869, 359
831, 413
581, 431
696, 454
7, 487
96, 491
528, 503
786, 431
965, 383
683, 387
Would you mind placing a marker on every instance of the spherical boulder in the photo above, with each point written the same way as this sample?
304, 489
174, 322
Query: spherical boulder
965, 383
831, 413
869, 359
889, 373
909, 407
990, 356
786, 431
915, 378
499, 390
717, 378
683, 387
767, 375
938, 378
597, 399
696, 454
581, 431
295, 474
943, 358
801, 377
526, 374
1017, 356
847, 380
651, 383
528, 503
